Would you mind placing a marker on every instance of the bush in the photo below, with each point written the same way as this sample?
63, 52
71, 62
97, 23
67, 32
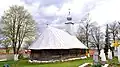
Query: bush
98, 65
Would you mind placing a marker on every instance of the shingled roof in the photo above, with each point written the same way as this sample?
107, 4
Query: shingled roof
53, 38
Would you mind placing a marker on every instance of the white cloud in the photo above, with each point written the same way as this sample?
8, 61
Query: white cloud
104, 10
79, 8
50, 10
107, 12
75, 5
4, 4
57, 20
101, 10
33, 9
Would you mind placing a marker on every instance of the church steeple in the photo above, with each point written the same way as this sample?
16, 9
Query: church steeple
69, 18
69, 24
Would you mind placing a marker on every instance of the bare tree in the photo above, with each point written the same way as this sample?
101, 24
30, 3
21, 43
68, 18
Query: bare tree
97, 37
81, 35
18, 25
113, 29
84, 29
118, 30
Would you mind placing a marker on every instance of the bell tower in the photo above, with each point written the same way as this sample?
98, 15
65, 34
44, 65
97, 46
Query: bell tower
69, 24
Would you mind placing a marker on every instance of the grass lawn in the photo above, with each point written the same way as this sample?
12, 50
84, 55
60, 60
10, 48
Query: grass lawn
76, 63
114, 62
24, 63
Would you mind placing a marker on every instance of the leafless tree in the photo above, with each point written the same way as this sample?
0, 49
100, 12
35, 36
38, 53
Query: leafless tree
84, 30
97, 37
113, 29
81, 35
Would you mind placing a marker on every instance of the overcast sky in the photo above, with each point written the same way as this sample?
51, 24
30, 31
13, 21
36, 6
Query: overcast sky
55, 11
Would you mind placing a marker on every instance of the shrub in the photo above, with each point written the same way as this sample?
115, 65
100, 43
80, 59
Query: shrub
97, 65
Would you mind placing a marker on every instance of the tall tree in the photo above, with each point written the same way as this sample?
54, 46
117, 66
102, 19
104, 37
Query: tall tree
118, 30
107, 40
18, 25
97, 37
113, 28
81, 35
85, 28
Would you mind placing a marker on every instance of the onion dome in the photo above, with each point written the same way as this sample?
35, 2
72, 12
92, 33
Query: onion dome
69, 18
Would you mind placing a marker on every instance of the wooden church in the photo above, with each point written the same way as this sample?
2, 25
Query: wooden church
56, 44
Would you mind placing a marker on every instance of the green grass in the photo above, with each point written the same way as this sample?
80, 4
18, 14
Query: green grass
76, 63
24, 63
114, 62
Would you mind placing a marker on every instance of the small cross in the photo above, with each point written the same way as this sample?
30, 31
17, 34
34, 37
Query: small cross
69, 11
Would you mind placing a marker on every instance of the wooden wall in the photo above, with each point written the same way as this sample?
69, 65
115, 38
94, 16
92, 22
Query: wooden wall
55, 54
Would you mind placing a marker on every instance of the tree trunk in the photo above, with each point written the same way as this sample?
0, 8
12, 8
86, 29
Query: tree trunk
98, 48
16, 57
7, 50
